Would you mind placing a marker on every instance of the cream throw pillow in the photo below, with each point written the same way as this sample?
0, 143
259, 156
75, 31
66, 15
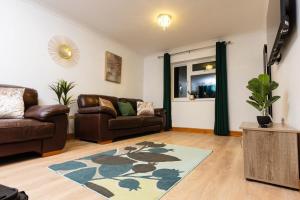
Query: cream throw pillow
11, 103
145, 108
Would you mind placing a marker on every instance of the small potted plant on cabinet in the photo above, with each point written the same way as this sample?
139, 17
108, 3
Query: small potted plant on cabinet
261, 87
191, 95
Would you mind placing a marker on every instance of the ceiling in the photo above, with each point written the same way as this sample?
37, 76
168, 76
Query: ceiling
133, 22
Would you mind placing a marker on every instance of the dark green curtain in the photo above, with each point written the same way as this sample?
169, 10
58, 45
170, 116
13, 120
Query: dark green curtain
221, 101
167, 90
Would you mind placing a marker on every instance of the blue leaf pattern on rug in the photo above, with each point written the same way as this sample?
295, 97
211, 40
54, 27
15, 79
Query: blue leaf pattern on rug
107, 153
68, 166
83, 175
166, 173
111, 171
167, 183
145, 170
113, 160
129, 183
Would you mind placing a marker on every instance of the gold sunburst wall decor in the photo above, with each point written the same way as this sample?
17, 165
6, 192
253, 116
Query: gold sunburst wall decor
63, 51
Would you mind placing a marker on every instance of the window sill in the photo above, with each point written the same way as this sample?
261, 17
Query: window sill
196, 100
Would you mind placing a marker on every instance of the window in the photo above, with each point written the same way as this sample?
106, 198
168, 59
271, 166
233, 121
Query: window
180, 82
197, 78
204, 66
203, 85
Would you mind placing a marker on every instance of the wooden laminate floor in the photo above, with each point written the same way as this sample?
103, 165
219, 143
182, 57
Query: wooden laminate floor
220, 176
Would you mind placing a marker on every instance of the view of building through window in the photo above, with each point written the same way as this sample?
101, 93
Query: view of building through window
180, 82
203, 85
196, 78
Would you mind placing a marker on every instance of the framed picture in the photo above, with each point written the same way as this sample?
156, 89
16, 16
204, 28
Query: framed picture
113, 67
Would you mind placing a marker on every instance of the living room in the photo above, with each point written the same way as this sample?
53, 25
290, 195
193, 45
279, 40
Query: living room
147, 99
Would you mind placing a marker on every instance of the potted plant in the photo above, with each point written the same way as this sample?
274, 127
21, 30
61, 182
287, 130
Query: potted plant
62, 89
261, 87
191, 95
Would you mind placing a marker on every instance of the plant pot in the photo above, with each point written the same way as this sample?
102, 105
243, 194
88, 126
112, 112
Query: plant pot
264, 121
191, 97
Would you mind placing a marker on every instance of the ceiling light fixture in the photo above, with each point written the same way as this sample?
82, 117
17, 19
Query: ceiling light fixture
164, 20
209, 67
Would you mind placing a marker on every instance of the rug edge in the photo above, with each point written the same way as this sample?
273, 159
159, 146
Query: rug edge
209, 152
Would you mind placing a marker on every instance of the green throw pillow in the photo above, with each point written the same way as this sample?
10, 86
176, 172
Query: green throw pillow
126, 109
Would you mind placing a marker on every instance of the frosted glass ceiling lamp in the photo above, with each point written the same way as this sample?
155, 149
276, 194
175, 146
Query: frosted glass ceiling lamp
164, 20
209, 67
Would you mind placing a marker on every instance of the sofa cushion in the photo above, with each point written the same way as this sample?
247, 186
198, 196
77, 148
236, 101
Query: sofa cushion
123, 122
11, 103
19, 130
108, 106
151, 120
145, 108
126, 109
30, 96
133, 102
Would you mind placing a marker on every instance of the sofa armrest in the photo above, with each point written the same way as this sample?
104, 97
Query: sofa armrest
58, 141
92, 127
44, 113
97, 109
159, 112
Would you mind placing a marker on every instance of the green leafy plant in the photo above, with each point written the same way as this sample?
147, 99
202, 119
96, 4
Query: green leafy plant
261, 87
62, 88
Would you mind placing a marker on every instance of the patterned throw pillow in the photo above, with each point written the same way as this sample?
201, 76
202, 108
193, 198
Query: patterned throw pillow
108, 106
11, 103
145, 108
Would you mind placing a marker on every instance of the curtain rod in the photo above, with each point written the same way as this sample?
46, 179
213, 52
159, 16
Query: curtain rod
192, 50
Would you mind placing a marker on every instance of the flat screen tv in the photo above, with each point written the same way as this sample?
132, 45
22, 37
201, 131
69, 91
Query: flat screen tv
280, 21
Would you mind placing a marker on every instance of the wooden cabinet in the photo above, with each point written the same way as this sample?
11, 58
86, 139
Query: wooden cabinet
271, 154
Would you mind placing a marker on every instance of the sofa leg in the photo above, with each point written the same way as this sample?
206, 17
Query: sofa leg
105, 142
52, 153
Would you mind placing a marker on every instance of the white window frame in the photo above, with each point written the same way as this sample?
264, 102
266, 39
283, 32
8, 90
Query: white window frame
190, 72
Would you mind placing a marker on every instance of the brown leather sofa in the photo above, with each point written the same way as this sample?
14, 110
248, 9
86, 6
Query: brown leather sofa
43, 129
94, 123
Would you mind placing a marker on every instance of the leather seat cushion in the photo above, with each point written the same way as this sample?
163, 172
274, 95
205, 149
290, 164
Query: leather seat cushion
123, 122
126, 122
20, 130
151, 120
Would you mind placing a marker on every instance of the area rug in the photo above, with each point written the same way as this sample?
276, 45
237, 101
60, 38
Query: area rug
146, 170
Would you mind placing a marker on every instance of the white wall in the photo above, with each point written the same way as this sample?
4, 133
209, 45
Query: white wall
27, 27
25, 31
245, 61
287, 75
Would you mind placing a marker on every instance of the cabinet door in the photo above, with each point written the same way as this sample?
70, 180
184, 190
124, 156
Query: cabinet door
271, 157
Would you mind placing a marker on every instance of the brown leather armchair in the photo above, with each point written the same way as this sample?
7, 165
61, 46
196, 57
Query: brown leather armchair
43, 129
97, 124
